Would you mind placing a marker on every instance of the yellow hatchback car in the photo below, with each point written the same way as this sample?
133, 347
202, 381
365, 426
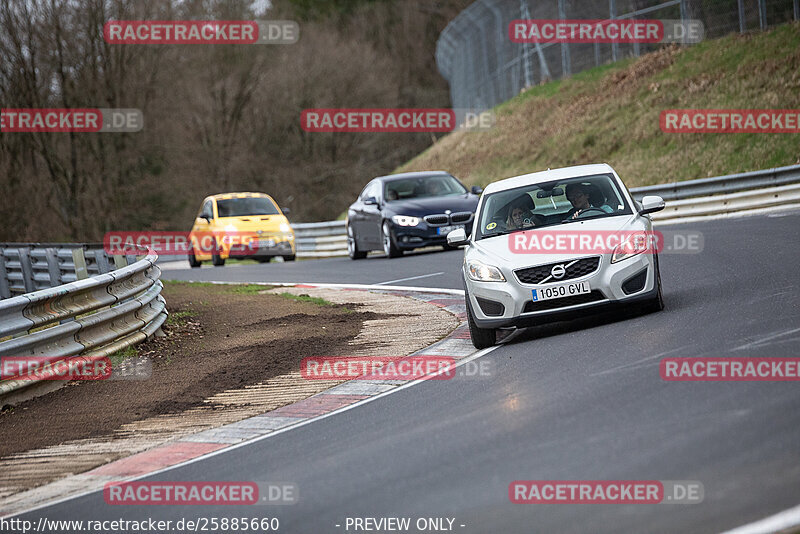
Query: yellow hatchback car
240, 226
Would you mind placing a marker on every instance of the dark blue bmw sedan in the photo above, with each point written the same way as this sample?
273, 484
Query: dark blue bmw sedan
405, 211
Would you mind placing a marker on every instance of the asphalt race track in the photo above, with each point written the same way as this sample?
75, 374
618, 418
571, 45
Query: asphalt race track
570, 401
435, 268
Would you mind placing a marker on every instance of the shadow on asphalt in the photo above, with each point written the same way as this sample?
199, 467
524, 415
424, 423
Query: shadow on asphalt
412, 254
601, 318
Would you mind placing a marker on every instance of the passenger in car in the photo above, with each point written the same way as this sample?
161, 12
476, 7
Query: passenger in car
519, 216
434, 188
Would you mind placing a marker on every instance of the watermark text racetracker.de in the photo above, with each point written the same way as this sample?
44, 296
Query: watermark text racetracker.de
167, 243
200, 493
730, 121
59, 120
201, 32
605, 31
433, 367
617, 242
37, 368
721, 369
606, 492
395, 120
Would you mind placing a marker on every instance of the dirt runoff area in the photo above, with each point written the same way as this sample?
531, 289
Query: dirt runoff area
218, 338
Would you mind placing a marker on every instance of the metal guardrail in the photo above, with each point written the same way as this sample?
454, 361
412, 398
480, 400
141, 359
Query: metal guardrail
689, 199
694, 209
83, 320
732, 183
320, 240
28, 267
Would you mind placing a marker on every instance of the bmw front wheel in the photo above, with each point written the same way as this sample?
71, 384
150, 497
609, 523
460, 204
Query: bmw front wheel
389, 248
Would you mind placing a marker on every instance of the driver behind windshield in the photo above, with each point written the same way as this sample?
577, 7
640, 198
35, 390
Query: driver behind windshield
579, 196
435, 188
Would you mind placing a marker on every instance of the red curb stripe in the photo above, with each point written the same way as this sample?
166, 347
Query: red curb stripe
158, 458
318, 405
443, 303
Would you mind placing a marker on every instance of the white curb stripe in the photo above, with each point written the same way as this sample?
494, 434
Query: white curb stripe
774, 523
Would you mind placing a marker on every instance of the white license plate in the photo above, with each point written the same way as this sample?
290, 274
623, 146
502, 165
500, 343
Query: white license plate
444, 230
561, 291
266, 243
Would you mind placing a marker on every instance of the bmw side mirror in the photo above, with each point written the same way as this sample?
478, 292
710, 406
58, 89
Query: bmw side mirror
651, 204
371, 201
457, 238
476, 190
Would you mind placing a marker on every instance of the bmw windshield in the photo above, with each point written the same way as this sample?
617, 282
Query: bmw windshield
422, 187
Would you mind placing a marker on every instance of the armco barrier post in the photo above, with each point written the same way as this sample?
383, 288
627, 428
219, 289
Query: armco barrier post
120, 261
5, 290
79, 261
101, 259
53, 270
28, 281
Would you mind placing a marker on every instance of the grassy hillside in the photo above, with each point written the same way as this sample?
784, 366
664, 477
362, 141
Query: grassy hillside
611, 114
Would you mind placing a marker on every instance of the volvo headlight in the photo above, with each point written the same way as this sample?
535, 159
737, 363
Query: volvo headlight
480, 272
633, 245
405, 220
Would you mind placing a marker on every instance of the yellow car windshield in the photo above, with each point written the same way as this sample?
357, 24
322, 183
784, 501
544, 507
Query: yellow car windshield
240, 207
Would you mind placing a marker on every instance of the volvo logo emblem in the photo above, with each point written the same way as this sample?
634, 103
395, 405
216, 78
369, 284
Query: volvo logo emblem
558, 271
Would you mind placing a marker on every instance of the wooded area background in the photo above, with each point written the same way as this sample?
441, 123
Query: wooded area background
217, 118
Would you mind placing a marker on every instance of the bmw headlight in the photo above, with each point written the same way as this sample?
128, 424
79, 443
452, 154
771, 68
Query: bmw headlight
632, 246
480, 272
405, 220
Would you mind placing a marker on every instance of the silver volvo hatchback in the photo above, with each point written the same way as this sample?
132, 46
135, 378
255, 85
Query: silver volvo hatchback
556, 244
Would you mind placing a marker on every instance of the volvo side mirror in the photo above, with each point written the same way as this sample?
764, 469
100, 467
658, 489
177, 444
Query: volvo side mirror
651, 204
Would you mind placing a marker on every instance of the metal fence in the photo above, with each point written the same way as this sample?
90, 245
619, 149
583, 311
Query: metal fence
484, 67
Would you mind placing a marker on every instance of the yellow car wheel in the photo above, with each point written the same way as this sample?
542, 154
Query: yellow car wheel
216, 259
